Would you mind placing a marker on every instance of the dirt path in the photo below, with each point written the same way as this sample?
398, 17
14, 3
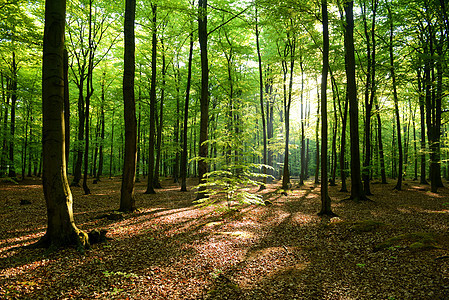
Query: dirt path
396, 247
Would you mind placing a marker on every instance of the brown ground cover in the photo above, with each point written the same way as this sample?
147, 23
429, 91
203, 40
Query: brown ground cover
396, 247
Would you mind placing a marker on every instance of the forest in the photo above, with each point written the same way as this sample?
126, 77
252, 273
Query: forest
247, 149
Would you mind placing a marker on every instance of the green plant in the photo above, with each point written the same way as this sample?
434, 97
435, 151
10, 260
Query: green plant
119, 273
216, 273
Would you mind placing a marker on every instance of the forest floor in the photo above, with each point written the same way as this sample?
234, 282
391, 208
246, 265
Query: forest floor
396, 247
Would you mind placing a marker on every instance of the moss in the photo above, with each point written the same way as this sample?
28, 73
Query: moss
411, 241
366, 226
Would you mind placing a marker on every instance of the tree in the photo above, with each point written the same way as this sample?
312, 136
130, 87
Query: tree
395, 98
357, 192
204, 99
61, 230
127, 200
325, 199
150, 185
264, 129
186, 117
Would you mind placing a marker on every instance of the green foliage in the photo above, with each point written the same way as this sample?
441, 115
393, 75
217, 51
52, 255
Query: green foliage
119, 273
232, 185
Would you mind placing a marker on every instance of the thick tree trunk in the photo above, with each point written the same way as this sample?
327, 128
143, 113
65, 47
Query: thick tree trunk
61, 229
204, 99
127, 199
357, 192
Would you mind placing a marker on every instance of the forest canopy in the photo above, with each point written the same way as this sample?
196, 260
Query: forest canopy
233, 92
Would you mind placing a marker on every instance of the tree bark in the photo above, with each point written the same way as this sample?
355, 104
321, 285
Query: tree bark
66, 107
156, 181
357, 192
204, 99
61, 230
127, 199
396, 106
325, 199
186, 118
262, 112
150, 186
12, 123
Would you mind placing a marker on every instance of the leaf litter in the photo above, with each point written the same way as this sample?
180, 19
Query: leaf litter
396, 247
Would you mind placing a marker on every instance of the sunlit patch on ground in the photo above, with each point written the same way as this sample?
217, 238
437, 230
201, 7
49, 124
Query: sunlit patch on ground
172, 249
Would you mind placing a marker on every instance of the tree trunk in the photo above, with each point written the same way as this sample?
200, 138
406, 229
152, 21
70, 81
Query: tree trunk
396, 106
422, 111
317, 130
204, 99
102, 133
325, 199
12, 124
176, 127
156, 182
357, 192
150, 187
381, 147
89, 91
264, 129
127, 199
66, 107
186, 118
4, 155
61, 229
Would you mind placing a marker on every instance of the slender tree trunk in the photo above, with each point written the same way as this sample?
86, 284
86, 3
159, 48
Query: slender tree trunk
156, 182
264, 129
127, 199
396, 106
176, 127
317, 130
61, 230
4, 157
12, 123
302, 176
79, 146
186, 118
150, 187
357, 192
325, 199
89, 91
102, 132
286, 171
66, 107
422, 111
204, 99
344, 121
112, 146
381, 147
